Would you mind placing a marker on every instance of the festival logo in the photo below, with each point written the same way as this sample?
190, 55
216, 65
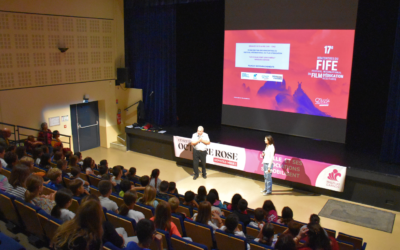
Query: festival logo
334, 175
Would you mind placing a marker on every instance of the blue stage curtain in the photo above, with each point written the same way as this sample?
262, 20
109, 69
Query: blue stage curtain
390, 151
150, 44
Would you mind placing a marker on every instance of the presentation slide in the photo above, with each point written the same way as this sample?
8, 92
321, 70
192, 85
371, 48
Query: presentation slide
298, 71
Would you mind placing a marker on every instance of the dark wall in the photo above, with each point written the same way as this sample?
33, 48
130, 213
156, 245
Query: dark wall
200, 48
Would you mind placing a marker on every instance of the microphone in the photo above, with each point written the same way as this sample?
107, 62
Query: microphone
151, 93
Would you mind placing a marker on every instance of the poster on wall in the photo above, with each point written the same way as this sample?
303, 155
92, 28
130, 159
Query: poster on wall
54, 121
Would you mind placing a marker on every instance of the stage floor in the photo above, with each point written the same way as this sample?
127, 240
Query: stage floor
365, 158
302, 203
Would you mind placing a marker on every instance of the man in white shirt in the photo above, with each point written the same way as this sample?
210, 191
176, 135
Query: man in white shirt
200, 141
2, 153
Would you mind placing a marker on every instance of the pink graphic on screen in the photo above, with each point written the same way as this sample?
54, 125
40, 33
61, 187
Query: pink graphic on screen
298, 71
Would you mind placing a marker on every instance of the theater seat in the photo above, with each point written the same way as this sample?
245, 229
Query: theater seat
94, 190
331, 233
185, 209
200, 233
117, 200
356, 241
28, 213
74, 206
122, 221
66, 181
6, 173
93, 180
258, 246
7, 243
148, 211
226, 212
240, 225
47, 190
166, 240
252, 231
178, 221
49, 224
227, 241
343, 245
279, 228
7, 208
182, 244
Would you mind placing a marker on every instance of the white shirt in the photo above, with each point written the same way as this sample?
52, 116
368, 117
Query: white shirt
108, 204
214, 226
3, 163
200, 146
66, 215
136, 215
269, 155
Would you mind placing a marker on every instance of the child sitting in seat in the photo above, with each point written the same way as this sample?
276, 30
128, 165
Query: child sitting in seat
259, 215
126, 209
75, 175
55, 176
62, 165
189, 200
162, 194
63, 201
105, 189
117, 174
125, 186
267, 235
231, 227
172, 189
131, 175
77, 188
174, 203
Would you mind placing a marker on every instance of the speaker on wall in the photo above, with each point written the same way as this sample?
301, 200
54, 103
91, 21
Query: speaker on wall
123, 77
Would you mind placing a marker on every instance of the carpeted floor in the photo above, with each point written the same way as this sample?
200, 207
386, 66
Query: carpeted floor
358, 215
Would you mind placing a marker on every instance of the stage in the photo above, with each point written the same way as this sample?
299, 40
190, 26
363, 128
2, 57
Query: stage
368, 180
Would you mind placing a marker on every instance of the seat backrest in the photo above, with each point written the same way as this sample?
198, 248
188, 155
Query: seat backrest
94, 180
178, 223
9, 243
139, 195
8, 209
356, 241
122, 221
74, 206
166, 240
48, 224
227, 242
66, 181
185, 210
252, 231
345, 245
226, 212
36, 170
331, 233
83, 176
47, 191
96, 172
30, 218
278, 228
199, 233
258, 246
146, 211
182, 244
117, 200
94, 191
6, 173
240, 225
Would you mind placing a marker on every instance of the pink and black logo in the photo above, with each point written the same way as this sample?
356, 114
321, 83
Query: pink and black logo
334, 175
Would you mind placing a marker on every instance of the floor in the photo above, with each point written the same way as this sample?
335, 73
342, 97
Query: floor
303, 204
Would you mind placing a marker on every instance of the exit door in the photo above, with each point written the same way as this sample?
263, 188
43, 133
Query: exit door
85, 126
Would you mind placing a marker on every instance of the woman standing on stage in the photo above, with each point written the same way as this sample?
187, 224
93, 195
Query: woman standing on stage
268, 155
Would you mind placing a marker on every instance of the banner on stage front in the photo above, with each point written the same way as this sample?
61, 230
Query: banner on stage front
313, 173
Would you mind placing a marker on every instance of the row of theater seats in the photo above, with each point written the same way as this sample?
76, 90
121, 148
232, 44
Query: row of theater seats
202, 234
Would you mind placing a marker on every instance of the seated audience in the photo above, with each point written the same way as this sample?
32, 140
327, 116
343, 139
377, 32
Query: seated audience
315, 219
105, 189
144, 180
287, 216
37, 154
88, 165
62, 165
4, 184
75, 171
146, 233
154, 180
217, 202
102, 170
317, 239
73, 162
204, 216
174, 204
45, 162
31, 144
84, 231
103, 163
125, 186
34, 186
285, 242
55, 176
234, 202
21, 152
270, 211
293, 228
172, 189
232, 227
2, 154
127, 209
18, 177
63, 201
11, 159
58, 155
131, 175
259, 215
56, 142
11, 148
267, 235
117, 174
162, 219
212, 198
28, 161
149, 197
162, 194
77, 188
80, 158
201, 194
241, 212
189, 200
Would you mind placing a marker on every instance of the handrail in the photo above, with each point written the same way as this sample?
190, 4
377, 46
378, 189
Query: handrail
132, 105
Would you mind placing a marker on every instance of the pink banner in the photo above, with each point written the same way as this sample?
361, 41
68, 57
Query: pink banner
313, 173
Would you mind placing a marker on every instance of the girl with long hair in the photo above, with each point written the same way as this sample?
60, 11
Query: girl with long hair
287, 216
205, 215
201, 194
88, 165
317, 239
162, 219
149, 197
268, 158
267, 235
63, 201
19, 174
84, 231
234, 202
217, 202
45, 161
154, 180
270, 211
34, 186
